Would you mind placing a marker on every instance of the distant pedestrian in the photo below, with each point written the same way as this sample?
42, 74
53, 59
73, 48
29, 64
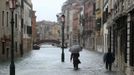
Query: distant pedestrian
108, 59
76, 61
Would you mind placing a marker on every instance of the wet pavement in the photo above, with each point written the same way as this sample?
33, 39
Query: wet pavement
47, 61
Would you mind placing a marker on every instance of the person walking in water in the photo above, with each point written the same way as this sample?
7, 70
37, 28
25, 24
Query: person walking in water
109, 59
76, 61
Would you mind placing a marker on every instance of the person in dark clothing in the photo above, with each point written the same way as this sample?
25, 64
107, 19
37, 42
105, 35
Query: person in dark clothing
109, 59
76, 61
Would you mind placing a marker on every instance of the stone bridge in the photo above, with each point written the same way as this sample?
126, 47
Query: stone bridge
48, 41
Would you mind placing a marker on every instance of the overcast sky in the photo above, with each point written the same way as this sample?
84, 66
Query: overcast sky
47, 9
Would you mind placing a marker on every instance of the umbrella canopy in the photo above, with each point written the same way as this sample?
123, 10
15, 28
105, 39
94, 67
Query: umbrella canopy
75, 49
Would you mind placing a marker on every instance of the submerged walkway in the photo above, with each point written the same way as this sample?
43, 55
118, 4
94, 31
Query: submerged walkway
47, 61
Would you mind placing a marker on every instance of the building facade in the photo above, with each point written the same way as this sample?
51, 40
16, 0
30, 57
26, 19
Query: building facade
71, 9
5, 40
34, 29
89, 24
120, 33
5, 27
47, 30
99, 28
27, 26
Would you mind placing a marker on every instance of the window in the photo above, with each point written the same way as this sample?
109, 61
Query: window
22, 4
7, 19
2, 18
21, 23
3, 47
30, 13
29, 30
16, 20
94, 6
16, 46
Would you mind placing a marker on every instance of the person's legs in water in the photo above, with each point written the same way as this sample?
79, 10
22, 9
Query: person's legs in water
106, 65
110, 66
76, 66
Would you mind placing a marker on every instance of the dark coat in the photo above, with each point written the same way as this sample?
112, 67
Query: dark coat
75, 57
108, 57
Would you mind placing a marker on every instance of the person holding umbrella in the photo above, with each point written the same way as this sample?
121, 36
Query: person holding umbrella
75, 55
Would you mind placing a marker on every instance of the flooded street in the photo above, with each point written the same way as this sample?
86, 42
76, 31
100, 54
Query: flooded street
47, 61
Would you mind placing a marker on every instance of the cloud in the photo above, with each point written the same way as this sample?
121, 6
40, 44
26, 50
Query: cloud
47, 9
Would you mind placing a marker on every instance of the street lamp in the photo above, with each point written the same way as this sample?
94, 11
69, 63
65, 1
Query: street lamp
63, 22
12, 6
